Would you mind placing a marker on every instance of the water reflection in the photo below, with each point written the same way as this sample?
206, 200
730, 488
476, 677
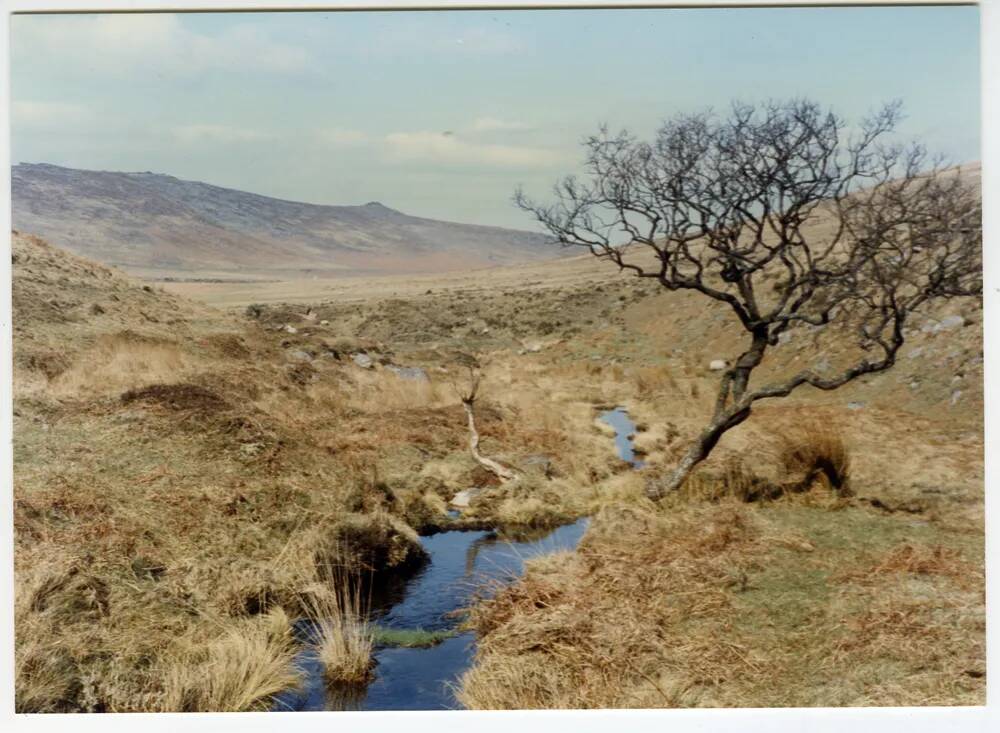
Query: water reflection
463, 565
624, 432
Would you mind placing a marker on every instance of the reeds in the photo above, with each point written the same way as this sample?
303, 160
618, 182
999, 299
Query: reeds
343, 637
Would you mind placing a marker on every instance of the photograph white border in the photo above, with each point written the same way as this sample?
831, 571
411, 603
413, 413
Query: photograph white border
816, 720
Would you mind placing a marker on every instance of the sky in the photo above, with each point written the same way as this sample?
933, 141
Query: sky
443, 114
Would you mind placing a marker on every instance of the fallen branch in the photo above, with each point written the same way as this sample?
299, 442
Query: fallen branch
502, 472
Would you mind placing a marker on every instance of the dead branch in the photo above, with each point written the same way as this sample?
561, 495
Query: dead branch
468, 398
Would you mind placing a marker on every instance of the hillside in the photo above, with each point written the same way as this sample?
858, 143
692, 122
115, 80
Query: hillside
155, 225
182, 474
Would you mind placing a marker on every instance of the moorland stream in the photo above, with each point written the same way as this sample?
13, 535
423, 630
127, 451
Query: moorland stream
462, 566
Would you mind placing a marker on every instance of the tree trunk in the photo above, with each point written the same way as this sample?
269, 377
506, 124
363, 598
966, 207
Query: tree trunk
697, 453
497, 469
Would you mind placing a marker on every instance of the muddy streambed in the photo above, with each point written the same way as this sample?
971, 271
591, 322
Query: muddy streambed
462, 566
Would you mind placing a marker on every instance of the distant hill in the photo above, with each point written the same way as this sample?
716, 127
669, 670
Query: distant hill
155, 225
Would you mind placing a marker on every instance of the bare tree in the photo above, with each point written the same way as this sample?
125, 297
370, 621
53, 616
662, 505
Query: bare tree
718, 205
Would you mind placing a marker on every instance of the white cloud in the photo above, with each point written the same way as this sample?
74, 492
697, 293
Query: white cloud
342, 137
50, 115
448, 148
492, 124
149, 43
224, 134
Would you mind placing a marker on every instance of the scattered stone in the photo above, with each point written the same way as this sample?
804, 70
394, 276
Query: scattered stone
855, 405
945, 324
415, 373
299, 355
310, 316
717, 365
324, 323
533, 348
956, 396
538, 462
291, 329
915, 353
363, 360
464, 499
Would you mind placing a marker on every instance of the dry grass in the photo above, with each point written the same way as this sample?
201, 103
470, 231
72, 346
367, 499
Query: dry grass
117, 363
816, 453
734, 604
240, 671
151, 532
343, 637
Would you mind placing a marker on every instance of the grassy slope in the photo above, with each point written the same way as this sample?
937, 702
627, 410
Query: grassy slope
803, 601
148, 530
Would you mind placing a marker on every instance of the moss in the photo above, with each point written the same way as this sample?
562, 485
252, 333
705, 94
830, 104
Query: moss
411, 638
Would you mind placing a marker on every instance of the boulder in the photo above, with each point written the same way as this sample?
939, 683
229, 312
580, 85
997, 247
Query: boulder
945, 324
539, 463
363, 360
464, 499
414, 373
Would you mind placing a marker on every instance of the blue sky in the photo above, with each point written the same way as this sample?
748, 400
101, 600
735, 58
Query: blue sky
442, 114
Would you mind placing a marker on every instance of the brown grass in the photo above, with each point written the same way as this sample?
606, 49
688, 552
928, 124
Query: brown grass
816, 453
120, 362
150, 533
343, 637
729, 604
240, 671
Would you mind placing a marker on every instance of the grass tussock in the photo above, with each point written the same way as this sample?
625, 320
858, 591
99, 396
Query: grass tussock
813, 461
816, 453
120, 362
343, 637
531, 501
242, 670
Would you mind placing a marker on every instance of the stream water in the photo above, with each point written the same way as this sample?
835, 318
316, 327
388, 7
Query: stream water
624, 432
463, 566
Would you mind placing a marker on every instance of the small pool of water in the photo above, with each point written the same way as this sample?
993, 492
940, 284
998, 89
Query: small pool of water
624, 432
463, 566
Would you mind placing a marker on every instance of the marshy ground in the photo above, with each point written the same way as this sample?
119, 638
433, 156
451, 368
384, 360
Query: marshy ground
192, 459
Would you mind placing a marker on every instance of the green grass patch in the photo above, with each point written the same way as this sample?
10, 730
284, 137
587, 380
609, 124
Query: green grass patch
411, 638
